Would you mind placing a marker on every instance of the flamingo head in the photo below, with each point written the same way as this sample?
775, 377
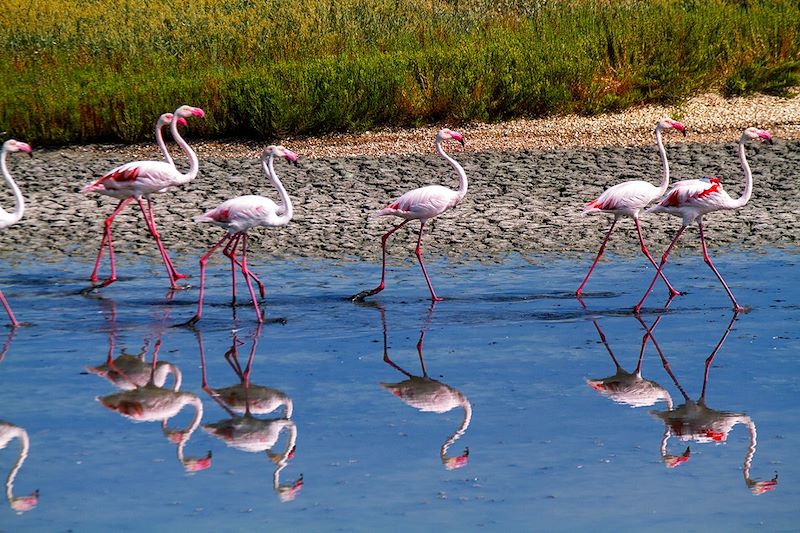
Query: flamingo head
760, 487
452, 463
666, 123
166, 120
756, 134
12, 145
197, 464
445, 134
22, 504
187, 111
672, 461
281, 151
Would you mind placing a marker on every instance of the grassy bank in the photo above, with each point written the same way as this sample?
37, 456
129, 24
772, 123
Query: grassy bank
78, 71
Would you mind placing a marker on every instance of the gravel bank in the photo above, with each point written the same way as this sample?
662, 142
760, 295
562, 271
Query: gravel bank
528, 182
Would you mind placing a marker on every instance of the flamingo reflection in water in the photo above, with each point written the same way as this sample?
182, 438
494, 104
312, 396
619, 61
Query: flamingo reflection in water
9, 432
695, 421
242, 430
151, 403
429, 395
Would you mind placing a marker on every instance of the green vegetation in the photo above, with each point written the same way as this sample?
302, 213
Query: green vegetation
86, 70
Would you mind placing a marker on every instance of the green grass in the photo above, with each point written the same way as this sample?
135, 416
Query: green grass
87, 70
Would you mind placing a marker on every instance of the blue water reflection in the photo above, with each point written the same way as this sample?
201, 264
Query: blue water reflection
490, 422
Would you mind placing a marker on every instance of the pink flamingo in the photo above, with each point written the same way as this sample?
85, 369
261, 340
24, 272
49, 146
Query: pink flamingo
422, 204
692, 199
138, 179
9, 218
627, 199
240, 214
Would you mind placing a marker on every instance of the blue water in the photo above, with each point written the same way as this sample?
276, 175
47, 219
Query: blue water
545, 450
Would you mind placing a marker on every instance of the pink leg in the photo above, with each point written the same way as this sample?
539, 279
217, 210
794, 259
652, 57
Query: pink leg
597, 258
151, 227
14, 323
736, 307
106, 240
246, 274
167, 261
418, 251
664, 257
230, 252
710, 358
369, 292
203, 260
672, 292
234, 261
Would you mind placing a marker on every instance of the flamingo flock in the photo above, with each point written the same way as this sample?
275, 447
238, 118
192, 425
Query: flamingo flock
140, 181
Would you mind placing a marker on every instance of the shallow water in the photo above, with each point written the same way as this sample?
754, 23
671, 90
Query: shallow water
509, 343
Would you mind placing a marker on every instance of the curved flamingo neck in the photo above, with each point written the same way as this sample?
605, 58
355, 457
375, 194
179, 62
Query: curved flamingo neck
286, 202
462, 176
23, 454
193, 162
662, 152
289, 406
6, 218
161, 145
748, 178
461, 428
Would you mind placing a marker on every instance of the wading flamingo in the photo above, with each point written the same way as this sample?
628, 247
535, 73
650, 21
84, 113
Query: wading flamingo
237, 216
6, 218
692, 199
695, 421
627, 199
422, 204
8, 432
138, 179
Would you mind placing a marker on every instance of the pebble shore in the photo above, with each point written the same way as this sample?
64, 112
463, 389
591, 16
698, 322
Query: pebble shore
529, 180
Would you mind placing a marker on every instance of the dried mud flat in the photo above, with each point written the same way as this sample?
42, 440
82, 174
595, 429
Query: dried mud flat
529, 180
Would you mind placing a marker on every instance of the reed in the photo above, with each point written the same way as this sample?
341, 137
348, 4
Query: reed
78, 71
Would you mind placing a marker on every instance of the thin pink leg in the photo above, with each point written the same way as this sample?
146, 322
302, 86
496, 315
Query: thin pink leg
167, 261
246, 274
203, 260
369, 292
664, 257
736, 307
672, 292
710, 358
106, 241
261, 288
597, 258
418, 251
11, 316
230, 252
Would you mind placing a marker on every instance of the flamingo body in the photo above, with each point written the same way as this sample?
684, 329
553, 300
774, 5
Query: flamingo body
245, 212
136, 179
629, 198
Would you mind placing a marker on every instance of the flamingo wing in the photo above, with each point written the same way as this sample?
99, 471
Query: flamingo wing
423, 203
137, 177
706, 192
242, 213
624, 197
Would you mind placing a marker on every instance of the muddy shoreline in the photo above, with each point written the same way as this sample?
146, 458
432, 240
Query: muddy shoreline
529, 180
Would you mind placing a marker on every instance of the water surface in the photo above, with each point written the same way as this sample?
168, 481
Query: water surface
507, 357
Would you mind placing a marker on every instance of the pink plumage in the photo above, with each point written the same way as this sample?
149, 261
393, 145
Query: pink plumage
422, 204
691, 199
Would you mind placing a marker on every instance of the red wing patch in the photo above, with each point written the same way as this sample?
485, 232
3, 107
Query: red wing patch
711, 190
126, 174
223, 215
393, 205
672, 200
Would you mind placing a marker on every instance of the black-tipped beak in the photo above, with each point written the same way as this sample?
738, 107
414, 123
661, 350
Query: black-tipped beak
463, 144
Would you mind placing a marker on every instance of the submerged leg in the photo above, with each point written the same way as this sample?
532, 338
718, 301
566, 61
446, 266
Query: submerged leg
369, 292
14, 322
597, 258
646, 252
106, 241
246, 274
664, 257
736, 307
418, 251
203, 260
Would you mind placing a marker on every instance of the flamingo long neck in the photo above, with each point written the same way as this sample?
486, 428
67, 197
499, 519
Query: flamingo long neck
461, 429
161, 145
751, 448
193, 162
23, 454
289, 406
19, 203
163, 370
462, 176
748, 178
662, 152
286, 202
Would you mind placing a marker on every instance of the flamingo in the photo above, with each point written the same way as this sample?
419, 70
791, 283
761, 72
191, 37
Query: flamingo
240, 214
422, 204
132, 181
9, 218
128, 372
627, 199
8, 432
695, 421
692, 199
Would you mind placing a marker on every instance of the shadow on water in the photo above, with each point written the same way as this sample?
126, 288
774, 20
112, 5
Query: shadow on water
510, 343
